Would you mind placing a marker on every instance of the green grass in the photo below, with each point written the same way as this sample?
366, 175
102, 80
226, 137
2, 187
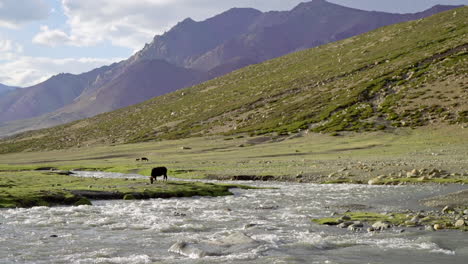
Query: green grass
370, 82
315, 156
30, 188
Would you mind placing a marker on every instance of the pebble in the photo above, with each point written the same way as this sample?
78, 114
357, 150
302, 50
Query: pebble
430, 228
460, 223
447, 209
381, 225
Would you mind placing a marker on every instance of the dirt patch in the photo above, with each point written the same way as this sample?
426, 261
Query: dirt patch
68, 160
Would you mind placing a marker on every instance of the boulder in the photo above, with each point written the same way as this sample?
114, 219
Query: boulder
438, 227
375, 181
381, 225
356, 226
460, 223
447, 209
344, 224
412, 174
233, 243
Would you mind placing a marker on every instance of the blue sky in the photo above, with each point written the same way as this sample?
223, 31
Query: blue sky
41, 38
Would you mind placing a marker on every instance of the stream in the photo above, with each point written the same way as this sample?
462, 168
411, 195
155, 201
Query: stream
252, 226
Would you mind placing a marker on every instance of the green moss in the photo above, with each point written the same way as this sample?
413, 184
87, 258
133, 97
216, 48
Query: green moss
129, 196
31, 188
396, 219
83, 201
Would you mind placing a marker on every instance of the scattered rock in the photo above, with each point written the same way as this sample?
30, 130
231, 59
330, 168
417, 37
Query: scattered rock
53, 236
447, 209
381, 225
429, 228
374, 181
355, 227
344, 224
412, 174
460, 223
179, 214
233, 243
438, 227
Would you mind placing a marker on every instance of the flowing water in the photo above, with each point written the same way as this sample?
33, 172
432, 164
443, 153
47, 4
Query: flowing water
252, 226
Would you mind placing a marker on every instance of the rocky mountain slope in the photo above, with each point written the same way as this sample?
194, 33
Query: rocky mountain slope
5, 89
194, 52
406, 75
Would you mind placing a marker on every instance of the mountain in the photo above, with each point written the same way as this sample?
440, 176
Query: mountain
405, 75
193, 52
267, 35
5, 89
45, 97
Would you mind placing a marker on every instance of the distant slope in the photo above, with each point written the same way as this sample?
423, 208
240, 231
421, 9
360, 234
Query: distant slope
234, 39
45, 97
5, 89
411, 74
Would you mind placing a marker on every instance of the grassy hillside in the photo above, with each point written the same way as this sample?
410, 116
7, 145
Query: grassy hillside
406, 75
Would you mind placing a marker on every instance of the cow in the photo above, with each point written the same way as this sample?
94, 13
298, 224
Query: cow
158, 171
137, 159
144, 159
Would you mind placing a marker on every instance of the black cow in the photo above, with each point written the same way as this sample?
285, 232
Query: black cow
159, 171
144, 159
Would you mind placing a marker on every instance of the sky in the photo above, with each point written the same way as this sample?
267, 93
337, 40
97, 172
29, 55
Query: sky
41, 38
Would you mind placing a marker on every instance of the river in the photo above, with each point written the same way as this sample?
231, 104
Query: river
252, 226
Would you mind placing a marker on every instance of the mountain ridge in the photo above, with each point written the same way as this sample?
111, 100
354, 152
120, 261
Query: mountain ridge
405, 75
204, 47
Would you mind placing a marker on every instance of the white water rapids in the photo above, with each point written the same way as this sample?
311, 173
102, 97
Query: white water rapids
270, 226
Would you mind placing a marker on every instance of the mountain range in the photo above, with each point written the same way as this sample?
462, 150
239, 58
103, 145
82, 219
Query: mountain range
410, 74
188, 54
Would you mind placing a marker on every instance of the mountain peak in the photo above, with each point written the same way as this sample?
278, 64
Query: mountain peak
313, 3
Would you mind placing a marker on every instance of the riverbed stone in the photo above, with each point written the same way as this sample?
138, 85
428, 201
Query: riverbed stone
355, 227
460, 223
374, 181
381, 225
233, 243
447, 209
438, 227
345, 224
429, 228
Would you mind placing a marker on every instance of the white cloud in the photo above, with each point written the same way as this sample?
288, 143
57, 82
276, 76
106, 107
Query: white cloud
14, 13
132, 23
51, 38
26, 71
9, 49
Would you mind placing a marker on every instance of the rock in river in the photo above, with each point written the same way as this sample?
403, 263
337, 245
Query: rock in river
234, 243
381, 225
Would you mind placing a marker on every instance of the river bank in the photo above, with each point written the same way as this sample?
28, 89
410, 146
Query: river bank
274, 225
53, 188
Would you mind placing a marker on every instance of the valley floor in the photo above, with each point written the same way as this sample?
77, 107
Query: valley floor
424, 155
